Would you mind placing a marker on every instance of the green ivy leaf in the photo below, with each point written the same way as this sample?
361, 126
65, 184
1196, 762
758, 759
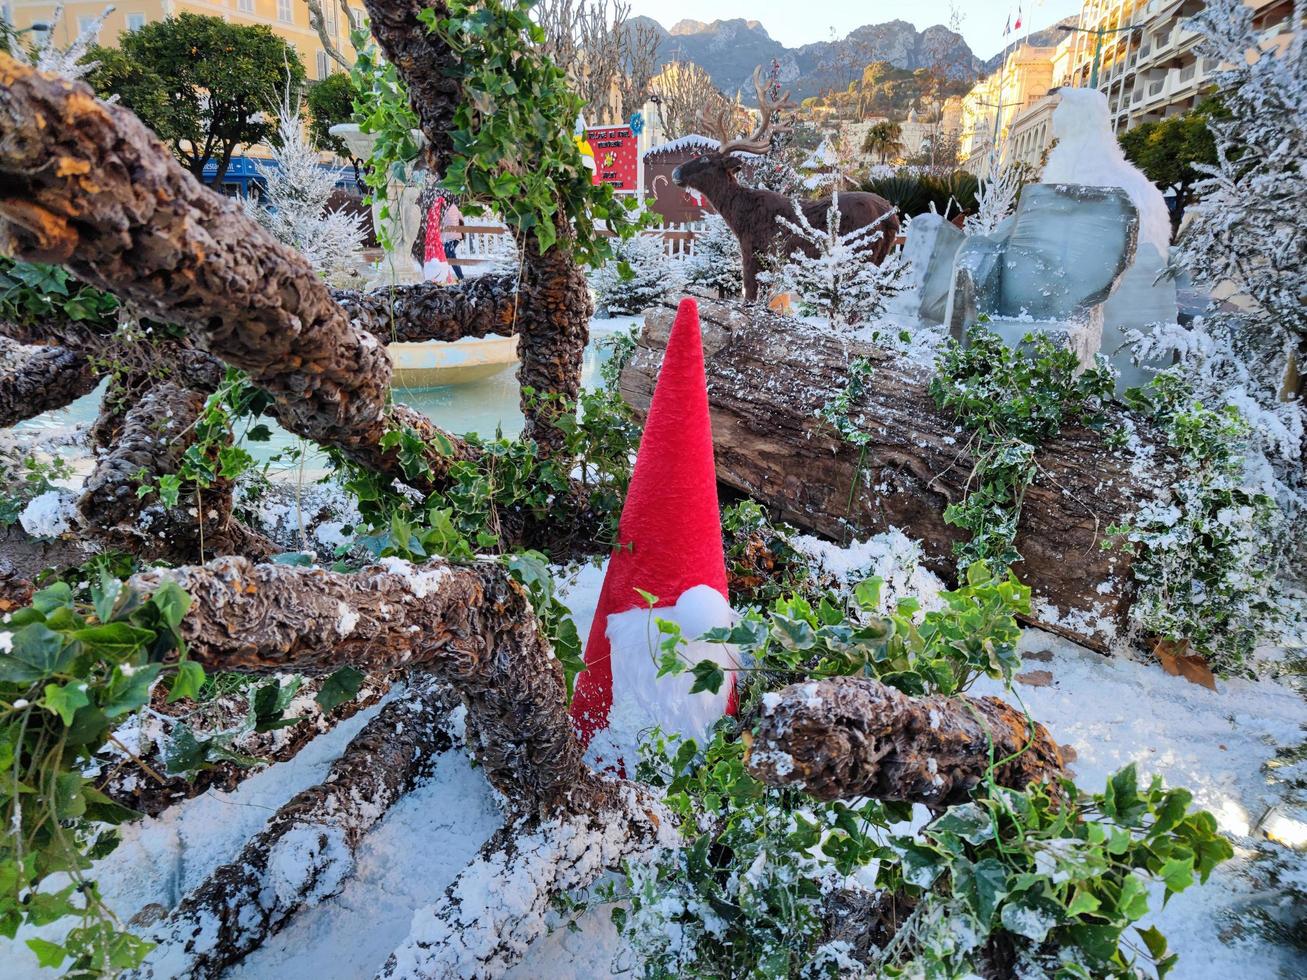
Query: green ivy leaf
187, 683
65, 700
36, 652
48, 954
708, 676
340, 687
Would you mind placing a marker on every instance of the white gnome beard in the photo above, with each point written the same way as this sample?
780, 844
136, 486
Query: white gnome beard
642, 699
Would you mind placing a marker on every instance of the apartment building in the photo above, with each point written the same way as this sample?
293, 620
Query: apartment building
288, 19
1148, 67
993, 104
1154, 71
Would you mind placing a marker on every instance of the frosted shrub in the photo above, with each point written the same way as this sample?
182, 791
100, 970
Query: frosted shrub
717, 263
294, 205
996, 199
839, 281
43, 55
637, 277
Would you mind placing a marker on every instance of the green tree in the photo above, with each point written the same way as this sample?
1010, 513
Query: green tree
331, 101
1168, 152
204, 86
884, 139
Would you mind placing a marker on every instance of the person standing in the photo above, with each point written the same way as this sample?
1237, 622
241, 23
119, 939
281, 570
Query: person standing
450, 233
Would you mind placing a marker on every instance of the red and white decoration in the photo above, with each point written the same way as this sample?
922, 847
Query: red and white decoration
435, 263
617, 156
670, 546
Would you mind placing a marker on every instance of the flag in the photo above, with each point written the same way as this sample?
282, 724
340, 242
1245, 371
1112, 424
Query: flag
1017, 25
1007, 28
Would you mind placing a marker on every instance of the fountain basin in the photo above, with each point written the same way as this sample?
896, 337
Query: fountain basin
434, 364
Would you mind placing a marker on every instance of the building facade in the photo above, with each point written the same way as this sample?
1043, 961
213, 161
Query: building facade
1148, 67
288, 19
993, 104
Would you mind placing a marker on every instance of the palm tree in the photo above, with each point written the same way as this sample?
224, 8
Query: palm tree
884, 139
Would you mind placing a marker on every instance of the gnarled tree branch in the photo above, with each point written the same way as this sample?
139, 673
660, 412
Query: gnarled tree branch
85, 184
306, 852
43, 380
854, 736
471, 625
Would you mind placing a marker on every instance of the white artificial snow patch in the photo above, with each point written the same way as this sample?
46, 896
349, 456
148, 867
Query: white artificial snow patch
347, 620
48, 515
891, 555
422, 582
304, 853
642, 699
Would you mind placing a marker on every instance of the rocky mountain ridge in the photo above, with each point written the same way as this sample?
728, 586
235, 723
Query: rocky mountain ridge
729, 50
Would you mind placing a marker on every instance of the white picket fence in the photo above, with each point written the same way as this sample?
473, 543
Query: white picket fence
492, 244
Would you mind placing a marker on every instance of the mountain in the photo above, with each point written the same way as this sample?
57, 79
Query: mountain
729, 50
1048, 37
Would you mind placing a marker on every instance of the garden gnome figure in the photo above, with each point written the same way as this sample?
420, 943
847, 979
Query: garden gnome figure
670, 547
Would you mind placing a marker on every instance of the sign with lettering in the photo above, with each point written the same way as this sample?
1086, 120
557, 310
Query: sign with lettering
617, 156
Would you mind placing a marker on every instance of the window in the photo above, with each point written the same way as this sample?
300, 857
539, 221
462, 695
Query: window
135, 22
329, 13
323, 69
85, 24
245, 6
283, 11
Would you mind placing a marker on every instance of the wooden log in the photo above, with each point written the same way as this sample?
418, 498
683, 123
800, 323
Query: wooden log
847, 737
768, 378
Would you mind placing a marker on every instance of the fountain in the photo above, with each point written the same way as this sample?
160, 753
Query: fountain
397, 265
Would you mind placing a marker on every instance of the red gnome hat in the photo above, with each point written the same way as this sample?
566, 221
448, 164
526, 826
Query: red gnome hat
669, 545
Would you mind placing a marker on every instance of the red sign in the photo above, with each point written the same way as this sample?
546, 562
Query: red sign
617, 156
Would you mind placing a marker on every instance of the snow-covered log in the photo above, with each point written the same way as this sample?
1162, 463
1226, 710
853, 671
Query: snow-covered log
306, 852
854, 736
140, 782
768, 378
471, 625
85, 184
497, 906
42, 380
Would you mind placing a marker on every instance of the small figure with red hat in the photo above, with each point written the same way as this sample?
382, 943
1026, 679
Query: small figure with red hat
669, 547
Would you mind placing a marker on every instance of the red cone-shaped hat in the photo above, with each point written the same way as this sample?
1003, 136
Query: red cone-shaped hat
669, 536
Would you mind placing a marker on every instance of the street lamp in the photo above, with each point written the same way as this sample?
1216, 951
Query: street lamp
1099, 33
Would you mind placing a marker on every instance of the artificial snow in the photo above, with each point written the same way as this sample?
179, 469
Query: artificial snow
1111, 711
48, 515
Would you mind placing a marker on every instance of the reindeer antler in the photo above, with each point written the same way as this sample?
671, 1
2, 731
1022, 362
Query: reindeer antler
718, 121
760, 140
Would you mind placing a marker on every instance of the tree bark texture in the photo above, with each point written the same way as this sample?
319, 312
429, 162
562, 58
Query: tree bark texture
477, 307
422, 60
769, 377
156, 432
479, 931
554, 322
41, 380
854, 736
471, 625
85, 184
306, 852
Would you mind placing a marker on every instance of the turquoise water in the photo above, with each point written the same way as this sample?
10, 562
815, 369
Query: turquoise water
479, 407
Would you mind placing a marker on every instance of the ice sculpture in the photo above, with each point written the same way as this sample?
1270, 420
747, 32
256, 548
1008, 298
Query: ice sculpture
1086, 151
930, 243
1050, 267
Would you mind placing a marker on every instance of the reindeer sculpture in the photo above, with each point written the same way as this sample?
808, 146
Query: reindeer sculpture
751, 213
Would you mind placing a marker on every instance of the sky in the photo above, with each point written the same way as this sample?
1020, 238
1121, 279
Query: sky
795, 23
